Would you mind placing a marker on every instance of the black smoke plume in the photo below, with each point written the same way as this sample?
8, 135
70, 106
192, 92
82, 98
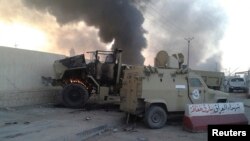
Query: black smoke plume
117, 20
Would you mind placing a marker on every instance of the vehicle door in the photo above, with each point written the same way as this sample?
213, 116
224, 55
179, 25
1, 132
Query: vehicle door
196, 90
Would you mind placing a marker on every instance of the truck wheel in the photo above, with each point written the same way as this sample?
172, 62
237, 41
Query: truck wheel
74, 96
155, 117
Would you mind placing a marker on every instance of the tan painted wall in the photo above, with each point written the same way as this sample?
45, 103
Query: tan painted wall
20, 77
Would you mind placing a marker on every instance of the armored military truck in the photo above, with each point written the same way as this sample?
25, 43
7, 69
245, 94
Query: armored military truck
154, 92
99, 78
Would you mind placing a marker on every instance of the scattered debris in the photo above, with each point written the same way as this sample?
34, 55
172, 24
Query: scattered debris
130, 129
115, 130
10, 123
87, 118
26, 122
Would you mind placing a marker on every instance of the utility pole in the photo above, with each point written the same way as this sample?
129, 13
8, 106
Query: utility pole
188, 40
216, 66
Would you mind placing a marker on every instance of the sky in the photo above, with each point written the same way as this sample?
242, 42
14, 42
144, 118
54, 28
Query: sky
219, 27
235, 43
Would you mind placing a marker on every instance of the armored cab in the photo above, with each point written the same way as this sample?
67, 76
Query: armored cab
154, 92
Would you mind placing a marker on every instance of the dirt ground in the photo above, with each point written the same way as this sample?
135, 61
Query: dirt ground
49, 123
172, 131
53, 123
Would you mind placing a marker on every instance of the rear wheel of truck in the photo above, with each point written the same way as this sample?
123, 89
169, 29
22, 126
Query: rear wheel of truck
74, 96
155, 117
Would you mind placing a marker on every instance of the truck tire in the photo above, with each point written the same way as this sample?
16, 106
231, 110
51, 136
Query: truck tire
155, 117
74, 96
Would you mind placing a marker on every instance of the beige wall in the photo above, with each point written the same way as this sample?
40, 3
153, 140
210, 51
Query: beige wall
20, 77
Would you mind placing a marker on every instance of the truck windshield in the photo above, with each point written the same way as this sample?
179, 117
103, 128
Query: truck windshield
101, 57
195, 82
237, 80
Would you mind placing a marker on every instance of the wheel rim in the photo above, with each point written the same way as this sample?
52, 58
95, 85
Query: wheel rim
156, 117
75, 95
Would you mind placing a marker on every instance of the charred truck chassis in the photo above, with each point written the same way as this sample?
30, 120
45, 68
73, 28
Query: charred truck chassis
80, 80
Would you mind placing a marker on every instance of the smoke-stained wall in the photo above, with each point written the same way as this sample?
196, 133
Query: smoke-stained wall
20, 77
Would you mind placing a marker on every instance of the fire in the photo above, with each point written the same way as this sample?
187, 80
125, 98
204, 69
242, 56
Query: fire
77, 81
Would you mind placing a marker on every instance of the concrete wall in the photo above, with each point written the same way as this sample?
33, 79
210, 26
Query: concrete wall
20, 77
